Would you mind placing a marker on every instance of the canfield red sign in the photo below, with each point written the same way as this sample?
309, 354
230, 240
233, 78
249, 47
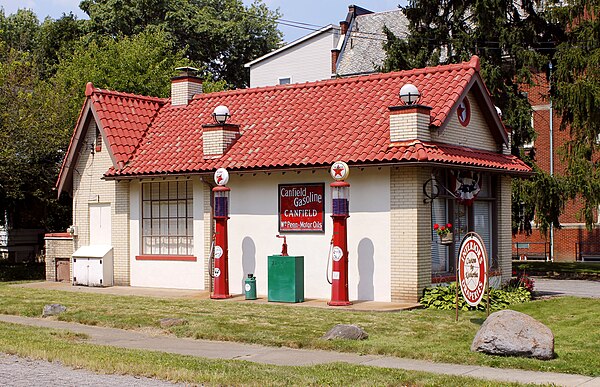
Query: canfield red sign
301, 207
472, 268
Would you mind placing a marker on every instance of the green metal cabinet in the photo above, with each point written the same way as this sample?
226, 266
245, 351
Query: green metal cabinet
286, 278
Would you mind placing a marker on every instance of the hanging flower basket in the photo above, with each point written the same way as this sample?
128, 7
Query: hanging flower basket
447, 239
445, 233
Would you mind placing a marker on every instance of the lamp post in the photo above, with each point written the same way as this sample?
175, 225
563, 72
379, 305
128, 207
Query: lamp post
340, 194
221, 250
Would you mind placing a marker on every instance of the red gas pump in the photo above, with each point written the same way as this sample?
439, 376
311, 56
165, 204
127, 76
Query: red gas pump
340, 194
220, 251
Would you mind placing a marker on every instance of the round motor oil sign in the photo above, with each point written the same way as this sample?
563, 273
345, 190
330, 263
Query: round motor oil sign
472, 268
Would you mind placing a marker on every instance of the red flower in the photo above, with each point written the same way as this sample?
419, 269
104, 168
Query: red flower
436, 226
449, 225
442, 228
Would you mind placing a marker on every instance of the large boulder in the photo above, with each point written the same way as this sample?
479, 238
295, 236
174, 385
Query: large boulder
53, 310
344, 331
510, 333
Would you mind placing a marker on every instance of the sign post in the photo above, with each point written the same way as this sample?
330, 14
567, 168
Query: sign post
472, 270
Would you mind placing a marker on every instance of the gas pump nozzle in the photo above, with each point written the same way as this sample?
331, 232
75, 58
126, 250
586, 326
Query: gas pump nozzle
284, 251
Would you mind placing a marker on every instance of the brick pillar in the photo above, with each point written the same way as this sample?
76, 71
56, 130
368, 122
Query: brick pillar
58, 245
217, 138
410, 122
411, 234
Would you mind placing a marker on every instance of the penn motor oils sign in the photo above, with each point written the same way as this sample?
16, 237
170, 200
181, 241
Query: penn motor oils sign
301, 207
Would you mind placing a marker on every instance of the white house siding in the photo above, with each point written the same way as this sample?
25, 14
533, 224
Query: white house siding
304, 62
168, 273
254, 225
475, 135
89, 189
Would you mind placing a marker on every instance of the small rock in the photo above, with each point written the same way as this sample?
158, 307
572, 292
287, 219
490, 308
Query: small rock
345, 331
53, 310
172, 322
511, 333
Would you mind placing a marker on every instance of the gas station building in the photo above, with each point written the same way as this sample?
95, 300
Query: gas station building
141, 172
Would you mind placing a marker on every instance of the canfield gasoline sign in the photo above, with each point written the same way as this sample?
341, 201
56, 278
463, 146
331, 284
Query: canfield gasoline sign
472, 268
301, 207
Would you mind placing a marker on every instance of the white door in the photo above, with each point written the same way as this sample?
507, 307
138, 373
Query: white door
95, 272
81, 272
100, 227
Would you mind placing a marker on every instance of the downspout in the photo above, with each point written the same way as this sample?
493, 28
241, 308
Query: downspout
551, 154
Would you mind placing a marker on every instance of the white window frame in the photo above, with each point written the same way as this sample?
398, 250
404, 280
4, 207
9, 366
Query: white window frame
167, 218
283, 78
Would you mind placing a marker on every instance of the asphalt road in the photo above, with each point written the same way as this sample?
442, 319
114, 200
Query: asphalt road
578, 288
20, 372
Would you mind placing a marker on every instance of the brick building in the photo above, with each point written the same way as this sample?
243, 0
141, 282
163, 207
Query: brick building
572, 241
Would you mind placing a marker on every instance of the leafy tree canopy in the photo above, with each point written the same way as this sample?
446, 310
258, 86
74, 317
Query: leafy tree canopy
222, 35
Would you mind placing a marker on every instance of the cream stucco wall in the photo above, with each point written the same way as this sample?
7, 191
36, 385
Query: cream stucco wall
89, 188
168, 273
254, 225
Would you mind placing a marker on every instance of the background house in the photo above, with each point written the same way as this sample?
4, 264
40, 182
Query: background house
353, 48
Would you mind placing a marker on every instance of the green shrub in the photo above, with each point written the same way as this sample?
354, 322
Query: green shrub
444, 297
22, 271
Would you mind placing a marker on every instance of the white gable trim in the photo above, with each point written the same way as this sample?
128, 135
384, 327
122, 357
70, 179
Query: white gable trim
75, 145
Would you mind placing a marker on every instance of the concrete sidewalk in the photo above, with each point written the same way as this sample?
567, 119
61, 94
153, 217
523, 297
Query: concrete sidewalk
357, 305
294, 357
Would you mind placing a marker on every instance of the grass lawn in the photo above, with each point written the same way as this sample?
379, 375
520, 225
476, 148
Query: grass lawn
68, 348
420, 334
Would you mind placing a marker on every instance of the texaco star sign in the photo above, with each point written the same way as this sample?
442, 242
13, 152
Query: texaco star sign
463, 112
340, 170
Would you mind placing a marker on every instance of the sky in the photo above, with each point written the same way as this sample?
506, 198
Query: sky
312, 12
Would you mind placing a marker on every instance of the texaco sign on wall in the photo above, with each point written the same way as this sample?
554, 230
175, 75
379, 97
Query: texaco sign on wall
472, 268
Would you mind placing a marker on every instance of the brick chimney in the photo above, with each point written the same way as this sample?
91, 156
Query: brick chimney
218, 137
184, 86
410, 122
343, 27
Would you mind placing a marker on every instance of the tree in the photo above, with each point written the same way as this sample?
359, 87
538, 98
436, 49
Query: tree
30, 154
513, 39
141, 64
222, 35
576, 96
19, 30
57, 38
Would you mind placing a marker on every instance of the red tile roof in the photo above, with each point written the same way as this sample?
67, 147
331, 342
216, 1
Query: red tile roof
124, 117
301, 125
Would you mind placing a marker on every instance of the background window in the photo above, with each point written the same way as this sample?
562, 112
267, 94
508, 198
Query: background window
167, 226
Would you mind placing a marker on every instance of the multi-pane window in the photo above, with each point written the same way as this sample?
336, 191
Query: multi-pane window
167, 222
